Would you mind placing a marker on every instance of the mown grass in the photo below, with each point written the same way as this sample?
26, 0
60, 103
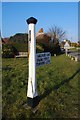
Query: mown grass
57, 87
0, 84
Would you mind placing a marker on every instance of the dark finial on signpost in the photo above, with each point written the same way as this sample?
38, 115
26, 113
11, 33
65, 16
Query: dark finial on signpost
31, 20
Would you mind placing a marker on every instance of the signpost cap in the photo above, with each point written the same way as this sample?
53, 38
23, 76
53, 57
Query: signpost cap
31, 20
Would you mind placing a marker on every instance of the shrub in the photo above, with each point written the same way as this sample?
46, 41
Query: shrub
8, 51
52, 48
19, 38
21, 47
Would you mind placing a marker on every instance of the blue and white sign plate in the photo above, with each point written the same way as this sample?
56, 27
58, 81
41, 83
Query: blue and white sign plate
43, 58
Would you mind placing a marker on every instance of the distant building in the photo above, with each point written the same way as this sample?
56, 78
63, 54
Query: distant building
40, 32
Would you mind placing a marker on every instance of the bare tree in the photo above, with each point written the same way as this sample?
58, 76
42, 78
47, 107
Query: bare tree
56, 34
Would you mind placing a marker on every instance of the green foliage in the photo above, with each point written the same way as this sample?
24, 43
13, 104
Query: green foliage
19, 38
8, 51
57, 87
52, 48
44, 41
21, 47
20, 42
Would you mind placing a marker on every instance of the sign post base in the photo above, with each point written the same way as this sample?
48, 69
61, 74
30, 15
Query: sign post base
33, 102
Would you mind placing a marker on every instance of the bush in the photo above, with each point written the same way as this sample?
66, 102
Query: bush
52, 48
8, 51
21, 47
19, 38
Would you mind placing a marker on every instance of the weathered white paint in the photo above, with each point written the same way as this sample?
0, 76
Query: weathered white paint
66, 50
32, 86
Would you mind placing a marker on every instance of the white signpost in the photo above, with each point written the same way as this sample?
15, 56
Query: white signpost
34, 60
66, 47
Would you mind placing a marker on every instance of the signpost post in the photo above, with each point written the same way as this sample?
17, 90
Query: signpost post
34, 60
32, 94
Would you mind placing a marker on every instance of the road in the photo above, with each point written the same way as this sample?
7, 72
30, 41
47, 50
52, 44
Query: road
75, 54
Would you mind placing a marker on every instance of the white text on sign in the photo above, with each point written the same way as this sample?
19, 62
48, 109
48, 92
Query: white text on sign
43, 58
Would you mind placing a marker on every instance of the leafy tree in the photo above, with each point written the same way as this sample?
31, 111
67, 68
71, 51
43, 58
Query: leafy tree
20, 41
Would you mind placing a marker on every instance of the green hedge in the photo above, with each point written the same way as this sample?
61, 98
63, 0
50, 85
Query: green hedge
52, 48
21, 47
8, 51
